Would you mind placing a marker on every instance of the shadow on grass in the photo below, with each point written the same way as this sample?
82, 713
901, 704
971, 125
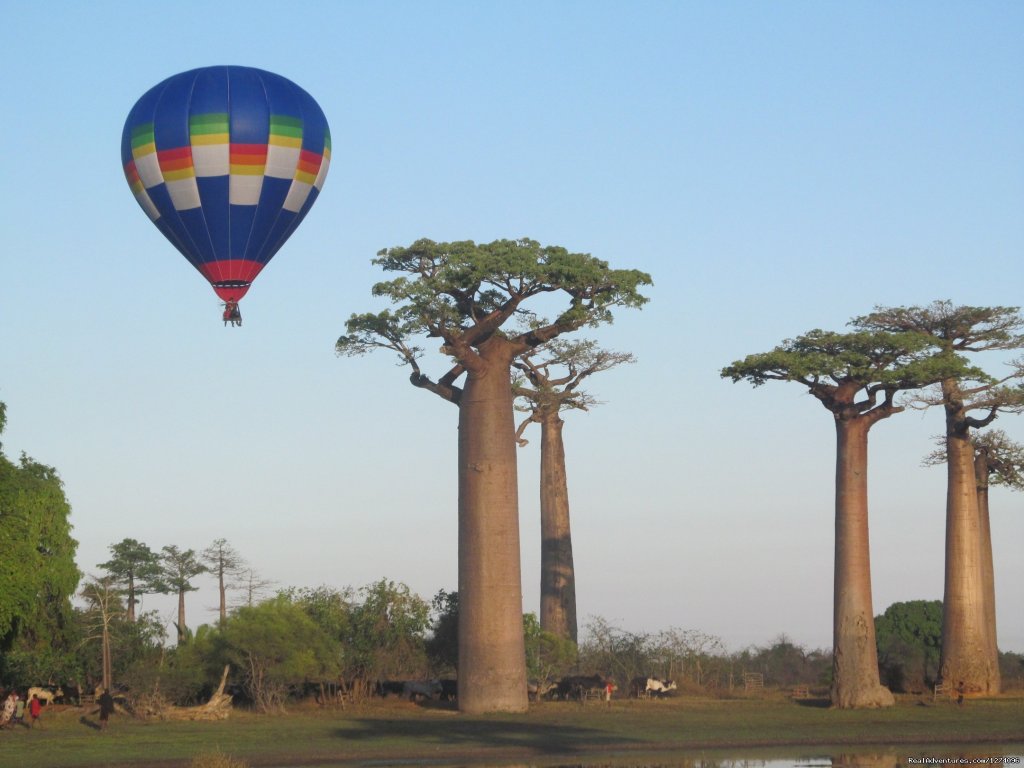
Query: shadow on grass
540, 737
89, 723
822, 703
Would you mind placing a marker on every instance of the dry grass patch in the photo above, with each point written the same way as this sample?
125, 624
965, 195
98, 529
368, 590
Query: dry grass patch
217, 759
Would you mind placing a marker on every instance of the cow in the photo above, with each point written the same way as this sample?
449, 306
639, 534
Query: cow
643, 687
45, 695
386, 688
449, 690
581, 687
421, 689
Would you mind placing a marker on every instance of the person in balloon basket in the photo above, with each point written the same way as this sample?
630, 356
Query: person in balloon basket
232, 313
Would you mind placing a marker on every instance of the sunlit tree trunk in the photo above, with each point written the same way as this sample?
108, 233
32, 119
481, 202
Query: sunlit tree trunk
557, 575
966, 644
981, 475
855, 656
492, 654
182, 630
106, 657
223, 597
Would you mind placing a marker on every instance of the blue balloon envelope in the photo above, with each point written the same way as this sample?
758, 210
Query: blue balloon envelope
226, 162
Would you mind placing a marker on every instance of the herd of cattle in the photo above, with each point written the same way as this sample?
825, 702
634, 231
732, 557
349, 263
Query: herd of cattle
573, 688
67, 694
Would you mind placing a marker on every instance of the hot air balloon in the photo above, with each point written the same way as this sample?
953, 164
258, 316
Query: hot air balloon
226, 161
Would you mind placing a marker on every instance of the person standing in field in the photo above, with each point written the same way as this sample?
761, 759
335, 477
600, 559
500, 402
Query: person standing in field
35, 708
106, 702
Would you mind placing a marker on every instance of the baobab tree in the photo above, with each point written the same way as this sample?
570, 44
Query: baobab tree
969, 655
178, 568
998, 460
464, 293
856, 376
223, 561
549, 384
136, 567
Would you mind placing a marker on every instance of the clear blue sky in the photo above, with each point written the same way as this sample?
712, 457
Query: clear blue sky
775, 166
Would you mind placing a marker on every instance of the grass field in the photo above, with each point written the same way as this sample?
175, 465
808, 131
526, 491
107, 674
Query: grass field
397, 732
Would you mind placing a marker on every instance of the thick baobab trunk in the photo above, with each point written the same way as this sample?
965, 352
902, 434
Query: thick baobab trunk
965, 639
855, 681
557, 575
492, 656
988, 575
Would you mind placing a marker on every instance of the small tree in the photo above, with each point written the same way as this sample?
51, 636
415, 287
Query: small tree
463, 294
252, 587
549, 384
104, 607
443, 644
909, 636
548, 655
609, 650
178, 568
134, 566
224, 562
387, 633
277, 646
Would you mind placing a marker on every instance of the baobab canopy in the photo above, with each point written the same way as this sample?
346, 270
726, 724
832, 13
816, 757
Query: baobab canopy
226, 161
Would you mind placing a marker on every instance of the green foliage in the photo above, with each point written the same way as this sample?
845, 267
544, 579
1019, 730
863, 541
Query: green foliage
464, 292
177, 569
330, 608
38, 573
185, 675
457, 284
960, 328
386, 633
275, 646
1011, 670
909, 638
955, 330
783, 663
1003, 456
134, 566
548, 656
443, 644
878, 361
